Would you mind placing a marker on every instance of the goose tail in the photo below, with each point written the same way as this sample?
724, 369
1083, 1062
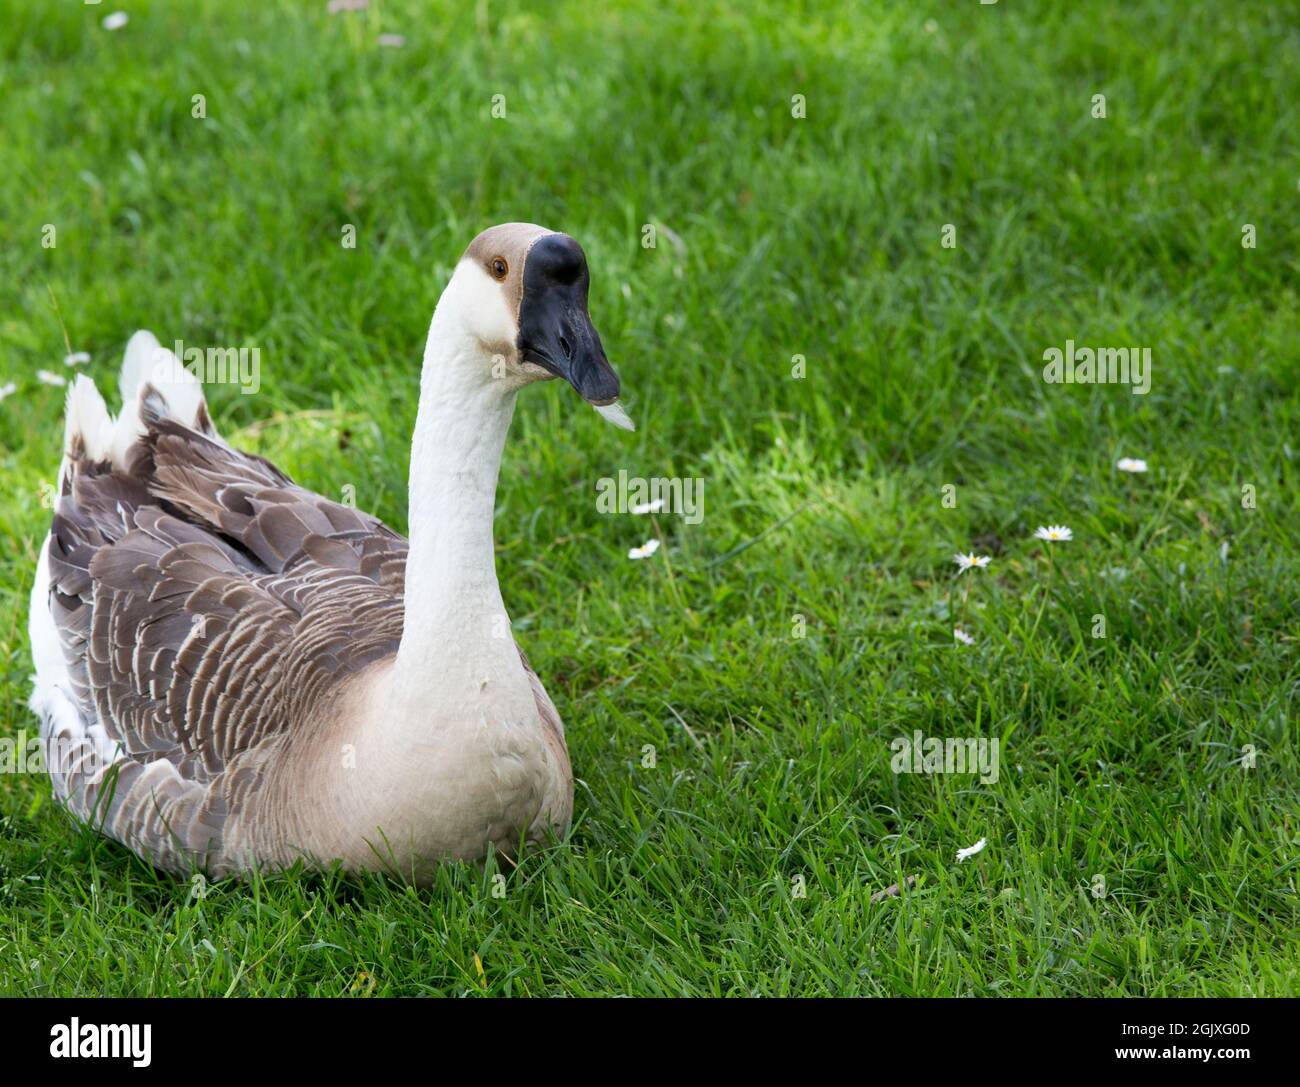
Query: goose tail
87, 429
88, 435
154, 382
100, 487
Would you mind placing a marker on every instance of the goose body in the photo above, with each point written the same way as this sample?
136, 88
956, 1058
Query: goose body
234, 673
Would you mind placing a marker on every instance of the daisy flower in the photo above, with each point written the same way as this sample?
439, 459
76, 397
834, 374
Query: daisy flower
1053, 533
1131, 464
971, 850
970, 562
648, 507
77, 358
644, 551
47, 378
962, 636
8, 390
115, 20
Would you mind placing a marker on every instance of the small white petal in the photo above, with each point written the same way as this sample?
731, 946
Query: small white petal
971, 850
615, 414
8, 390
644, 551
1131, 464
1054, 532
648, 507
47, 378
77, 358
115, 20
962, 636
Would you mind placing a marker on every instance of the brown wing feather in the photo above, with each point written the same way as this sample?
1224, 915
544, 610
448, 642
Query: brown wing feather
205, 605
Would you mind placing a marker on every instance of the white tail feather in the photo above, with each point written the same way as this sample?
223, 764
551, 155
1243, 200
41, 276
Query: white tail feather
142, 355
87, 419
88, 428
147, 362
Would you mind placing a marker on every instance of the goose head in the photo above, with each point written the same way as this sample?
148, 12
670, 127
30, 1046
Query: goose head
522, 294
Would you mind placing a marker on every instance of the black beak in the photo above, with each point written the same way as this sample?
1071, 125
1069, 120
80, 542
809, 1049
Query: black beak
555, 330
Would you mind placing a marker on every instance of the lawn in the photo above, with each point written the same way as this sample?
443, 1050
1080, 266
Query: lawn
861, 401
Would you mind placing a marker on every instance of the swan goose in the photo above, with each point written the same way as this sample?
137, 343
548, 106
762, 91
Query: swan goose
234, 673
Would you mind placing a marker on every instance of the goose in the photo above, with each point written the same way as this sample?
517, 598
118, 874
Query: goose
234, 674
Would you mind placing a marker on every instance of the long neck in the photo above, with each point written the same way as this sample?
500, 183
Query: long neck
456, 642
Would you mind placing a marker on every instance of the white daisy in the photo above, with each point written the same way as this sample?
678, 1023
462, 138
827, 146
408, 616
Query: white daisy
962, 636
648, 507
1131, 464
971, 850
8, 390
1054, 533
77, 358
115, 20
644, 551
47, 378
970, 562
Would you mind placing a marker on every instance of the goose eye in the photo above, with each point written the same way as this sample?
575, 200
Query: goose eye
499, 268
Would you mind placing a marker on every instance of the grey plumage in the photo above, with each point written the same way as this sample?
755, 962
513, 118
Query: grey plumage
206, 607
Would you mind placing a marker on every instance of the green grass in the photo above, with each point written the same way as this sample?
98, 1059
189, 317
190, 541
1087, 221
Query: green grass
819, 237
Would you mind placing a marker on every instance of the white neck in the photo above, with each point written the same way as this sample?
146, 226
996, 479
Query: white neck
457, 653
